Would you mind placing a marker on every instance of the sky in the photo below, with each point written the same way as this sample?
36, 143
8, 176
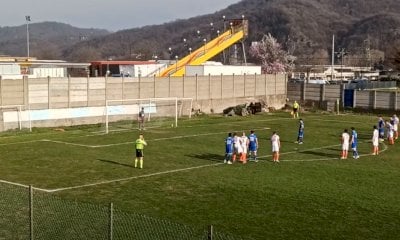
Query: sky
112, 15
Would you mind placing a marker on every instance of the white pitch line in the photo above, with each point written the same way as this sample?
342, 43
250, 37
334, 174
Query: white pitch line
317, 148
23, 185
14, 143
135, 177
385, 147
150, 140
67, 143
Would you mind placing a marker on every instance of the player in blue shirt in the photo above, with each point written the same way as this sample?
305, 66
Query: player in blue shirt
253, 146
300, 135
354, 142
381, 128
228, 149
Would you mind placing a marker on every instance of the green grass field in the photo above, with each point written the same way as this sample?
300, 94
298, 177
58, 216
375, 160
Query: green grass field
310, 194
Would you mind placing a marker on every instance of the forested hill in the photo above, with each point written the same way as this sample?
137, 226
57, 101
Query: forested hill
303, 26
48, 40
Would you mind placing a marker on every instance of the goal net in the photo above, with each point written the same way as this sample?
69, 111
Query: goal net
123, 114
15, 117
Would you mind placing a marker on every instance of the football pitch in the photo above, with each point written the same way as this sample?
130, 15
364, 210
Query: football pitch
310, 194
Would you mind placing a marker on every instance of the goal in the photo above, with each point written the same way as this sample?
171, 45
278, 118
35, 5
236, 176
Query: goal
123, 114
15, 117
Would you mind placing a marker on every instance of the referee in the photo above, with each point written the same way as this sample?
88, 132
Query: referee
139, 146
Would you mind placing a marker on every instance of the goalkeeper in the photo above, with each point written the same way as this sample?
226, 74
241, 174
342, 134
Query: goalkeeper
139, 145
141, 120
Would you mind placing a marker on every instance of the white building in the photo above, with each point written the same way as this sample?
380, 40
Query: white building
17, 68
339, 72
217, 68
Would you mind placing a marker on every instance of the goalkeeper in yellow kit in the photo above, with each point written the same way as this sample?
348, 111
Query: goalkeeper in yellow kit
139, 145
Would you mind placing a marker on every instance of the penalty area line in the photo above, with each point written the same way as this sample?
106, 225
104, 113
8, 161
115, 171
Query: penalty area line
134, 177
149, 140
385, 147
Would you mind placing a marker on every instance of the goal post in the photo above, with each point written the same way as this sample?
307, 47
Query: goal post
15, 117
159, 112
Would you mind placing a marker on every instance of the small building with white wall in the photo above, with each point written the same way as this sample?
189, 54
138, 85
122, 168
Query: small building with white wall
125, 68
216, 68
19, 67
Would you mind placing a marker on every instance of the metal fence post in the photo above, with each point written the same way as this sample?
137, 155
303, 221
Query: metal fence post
244, 85
123, 86
197, 87
111, 222
221, 86
322, 93
354, 98
154, 86
303, 91
1, 90
139, 85
374, 100
105, 90
169, 85
69, 91
234, 85
265, 85
209, 86
87, 92
25, 87
30, 212
48, 92
210, 232
183, 85
286, 81
255, 84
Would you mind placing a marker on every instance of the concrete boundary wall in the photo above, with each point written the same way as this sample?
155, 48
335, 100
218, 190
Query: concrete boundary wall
209, 93
320, 93
374, 99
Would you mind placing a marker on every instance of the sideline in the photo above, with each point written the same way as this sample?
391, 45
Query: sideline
134, 177
25, 186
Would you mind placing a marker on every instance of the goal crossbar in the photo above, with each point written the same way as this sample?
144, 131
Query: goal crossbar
133, 105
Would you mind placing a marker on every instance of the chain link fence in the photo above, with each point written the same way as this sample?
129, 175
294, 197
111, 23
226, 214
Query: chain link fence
31, 214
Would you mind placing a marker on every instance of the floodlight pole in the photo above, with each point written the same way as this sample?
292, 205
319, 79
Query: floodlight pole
28, 19
333, 55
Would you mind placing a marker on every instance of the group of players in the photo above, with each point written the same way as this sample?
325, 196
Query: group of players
235, 145
378, 135
243, 146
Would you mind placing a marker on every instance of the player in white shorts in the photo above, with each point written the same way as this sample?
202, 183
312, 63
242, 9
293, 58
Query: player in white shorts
390, 132
237, 147
375, 141
345, 144
395, 121
276, 144
245, 144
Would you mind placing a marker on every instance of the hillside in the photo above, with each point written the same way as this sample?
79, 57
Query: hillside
47, 39
305, 27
